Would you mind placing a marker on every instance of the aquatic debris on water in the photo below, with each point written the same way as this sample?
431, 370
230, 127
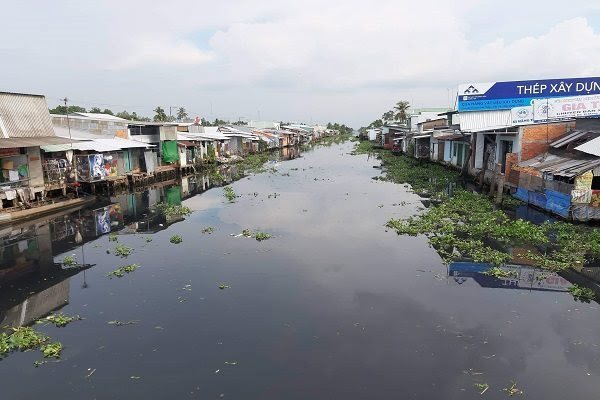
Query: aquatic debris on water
26, 338
171, 210
52, 350
113, 238
581, 293
123, 251
247, 233
222, 286
121, 323
122, 271
482, 387
260, 236
208, 230
513, 390
176, 239
69, 261
59, 320
229, 193
498, 272
148, 239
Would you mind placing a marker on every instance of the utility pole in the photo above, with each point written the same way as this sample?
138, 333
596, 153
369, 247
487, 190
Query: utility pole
72, 161
171, 108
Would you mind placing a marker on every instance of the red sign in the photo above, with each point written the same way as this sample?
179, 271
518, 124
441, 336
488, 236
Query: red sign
9, 152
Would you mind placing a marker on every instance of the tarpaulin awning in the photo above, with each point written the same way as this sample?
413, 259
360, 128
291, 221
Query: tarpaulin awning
170, 154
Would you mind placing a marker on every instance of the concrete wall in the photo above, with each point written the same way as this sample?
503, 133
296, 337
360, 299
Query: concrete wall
535, 139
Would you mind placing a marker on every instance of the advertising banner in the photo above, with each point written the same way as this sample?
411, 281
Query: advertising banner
508, 95
566, 107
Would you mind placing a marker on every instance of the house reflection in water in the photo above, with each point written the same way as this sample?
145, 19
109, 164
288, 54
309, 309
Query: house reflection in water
523, 277
31, 284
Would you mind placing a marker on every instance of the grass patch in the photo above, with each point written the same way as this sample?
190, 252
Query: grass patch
122, 271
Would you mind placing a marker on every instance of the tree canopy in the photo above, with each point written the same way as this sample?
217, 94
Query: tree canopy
160, 115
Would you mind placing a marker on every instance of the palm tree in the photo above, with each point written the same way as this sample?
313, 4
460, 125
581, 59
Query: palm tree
401, 109
160, 115
181, 114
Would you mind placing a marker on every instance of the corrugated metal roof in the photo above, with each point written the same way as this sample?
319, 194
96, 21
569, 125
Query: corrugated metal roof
100, 116
24, 115
99, 145
591, 147
31, 142
562, 165
565, 140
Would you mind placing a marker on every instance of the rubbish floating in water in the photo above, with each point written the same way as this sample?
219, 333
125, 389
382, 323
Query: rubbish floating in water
59, 320
217, 371
176, 239
135, 377
222, 286
122, 271
482, 387
231, 362
513, 390
121, 323
91, 372
208, 229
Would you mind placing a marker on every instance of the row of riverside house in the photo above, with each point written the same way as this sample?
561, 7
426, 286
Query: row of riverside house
540, 145
45, 157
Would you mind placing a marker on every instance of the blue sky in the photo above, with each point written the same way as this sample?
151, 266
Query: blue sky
309, 61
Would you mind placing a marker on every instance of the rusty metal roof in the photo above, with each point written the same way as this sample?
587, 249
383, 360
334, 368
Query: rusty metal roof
24, 116
562, 165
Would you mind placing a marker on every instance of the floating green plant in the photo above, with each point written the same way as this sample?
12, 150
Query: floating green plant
123, 251
69, 261
247, 232
581, 293
208, 230
171, 210
60, 320
52, 350
260, 236
229, 193
498, 272
113, 238
176, 239
122, 271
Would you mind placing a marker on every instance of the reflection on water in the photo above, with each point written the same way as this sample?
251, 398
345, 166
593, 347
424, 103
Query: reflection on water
331, 307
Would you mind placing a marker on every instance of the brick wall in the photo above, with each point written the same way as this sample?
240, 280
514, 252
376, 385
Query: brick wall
536, 138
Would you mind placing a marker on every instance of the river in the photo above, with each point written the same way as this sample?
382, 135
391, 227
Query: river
332, 306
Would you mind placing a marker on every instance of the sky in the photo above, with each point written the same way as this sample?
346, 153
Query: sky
303, 61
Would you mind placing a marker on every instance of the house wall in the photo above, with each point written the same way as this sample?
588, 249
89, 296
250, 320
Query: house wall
34, 161
535, 139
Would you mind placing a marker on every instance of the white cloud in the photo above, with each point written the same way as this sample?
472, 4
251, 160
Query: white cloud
336, 60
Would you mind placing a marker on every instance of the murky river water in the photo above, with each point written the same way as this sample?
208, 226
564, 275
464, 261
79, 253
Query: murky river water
331, 307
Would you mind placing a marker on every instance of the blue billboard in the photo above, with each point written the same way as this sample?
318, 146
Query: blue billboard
509, 95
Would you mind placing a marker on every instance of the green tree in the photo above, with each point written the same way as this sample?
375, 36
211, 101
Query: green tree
95, 110
181, 114
63, 110
160, 115
107, 111
388, 116
401, 111
376, 124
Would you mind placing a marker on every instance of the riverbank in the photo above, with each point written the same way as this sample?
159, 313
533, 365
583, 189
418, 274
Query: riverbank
468, 225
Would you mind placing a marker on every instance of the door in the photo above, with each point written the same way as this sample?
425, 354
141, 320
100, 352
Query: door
441, 146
